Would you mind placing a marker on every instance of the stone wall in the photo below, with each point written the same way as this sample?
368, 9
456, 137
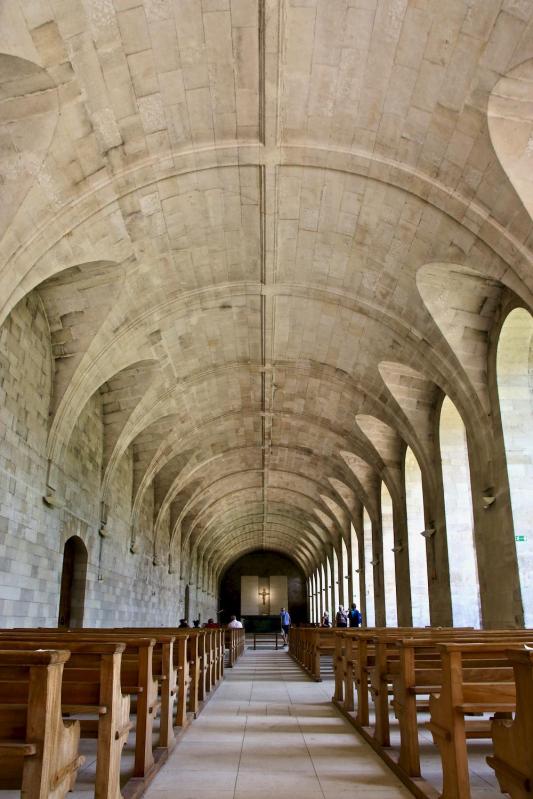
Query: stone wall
122, 588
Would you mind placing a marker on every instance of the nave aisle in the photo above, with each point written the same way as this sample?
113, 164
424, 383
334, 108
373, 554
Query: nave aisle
269, 732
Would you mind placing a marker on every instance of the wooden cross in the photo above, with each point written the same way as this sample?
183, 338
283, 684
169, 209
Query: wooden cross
264, 593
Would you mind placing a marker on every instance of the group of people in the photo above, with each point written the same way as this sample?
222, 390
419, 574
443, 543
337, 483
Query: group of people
344, 618
210, 624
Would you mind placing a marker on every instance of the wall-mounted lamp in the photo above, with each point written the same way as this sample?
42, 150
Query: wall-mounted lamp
488, 500
429, 532
375, 562
397, 548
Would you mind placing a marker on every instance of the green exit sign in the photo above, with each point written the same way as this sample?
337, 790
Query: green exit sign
519, 538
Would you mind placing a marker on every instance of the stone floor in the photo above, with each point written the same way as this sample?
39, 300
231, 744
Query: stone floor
269, 732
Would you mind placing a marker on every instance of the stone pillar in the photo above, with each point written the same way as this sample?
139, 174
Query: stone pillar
379, 577
401, 562
440, 597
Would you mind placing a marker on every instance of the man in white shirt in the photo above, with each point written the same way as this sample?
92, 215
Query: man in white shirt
234, 624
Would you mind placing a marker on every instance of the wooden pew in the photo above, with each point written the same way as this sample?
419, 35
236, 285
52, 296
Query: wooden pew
173, 664
230, 640
234, 638
164, 670
91, 686
169, 668
355, 666
387, 665
467, 690
308, 644
193, 659
38, 750
136, 679
418, 671
513, 740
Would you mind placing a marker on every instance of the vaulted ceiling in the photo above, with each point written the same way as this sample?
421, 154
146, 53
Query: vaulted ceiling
270, 233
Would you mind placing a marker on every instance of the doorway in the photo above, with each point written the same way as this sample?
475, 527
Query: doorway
73, 578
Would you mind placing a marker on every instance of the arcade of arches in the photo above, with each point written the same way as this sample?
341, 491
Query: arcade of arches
266, 275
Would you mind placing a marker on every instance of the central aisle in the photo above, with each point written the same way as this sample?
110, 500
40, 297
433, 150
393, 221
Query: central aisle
269, 732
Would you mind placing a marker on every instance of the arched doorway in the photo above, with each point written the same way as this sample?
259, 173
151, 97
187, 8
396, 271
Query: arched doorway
73, 578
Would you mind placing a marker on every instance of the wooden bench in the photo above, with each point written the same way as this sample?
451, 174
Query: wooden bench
308, 644
467, 689
39, 752
231, 641
513, 740
136, 679
353, 660
387, 665
91, 686
234, 643
355, 667
418, 672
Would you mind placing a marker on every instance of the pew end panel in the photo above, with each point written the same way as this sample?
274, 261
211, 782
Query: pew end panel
39, 752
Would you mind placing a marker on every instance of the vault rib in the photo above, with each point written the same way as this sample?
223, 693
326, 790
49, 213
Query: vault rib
269, 42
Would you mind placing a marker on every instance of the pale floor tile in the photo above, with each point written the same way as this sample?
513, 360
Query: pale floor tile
269, 732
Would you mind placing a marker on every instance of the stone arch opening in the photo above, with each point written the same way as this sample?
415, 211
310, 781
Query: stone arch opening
389, 568
73, 582
369, 571
354, 542
414, 500
335, 581
345, 576
324, 600
514, 371
464, 582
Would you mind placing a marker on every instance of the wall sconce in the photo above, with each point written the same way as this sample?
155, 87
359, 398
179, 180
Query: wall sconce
397, 548
375, 562
429, 532
52, 500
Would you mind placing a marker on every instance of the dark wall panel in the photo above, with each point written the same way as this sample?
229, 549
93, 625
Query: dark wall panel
264, 564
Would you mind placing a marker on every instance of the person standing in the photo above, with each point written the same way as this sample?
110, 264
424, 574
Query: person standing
285, 625
354, 616
341, 619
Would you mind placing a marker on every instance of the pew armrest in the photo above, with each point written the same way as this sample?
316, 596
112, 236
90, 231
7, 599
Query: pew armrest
17, 748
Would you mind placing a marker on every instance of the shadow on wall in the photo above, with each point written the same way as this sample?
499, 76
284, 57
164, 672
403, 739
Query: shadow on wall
73, 579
